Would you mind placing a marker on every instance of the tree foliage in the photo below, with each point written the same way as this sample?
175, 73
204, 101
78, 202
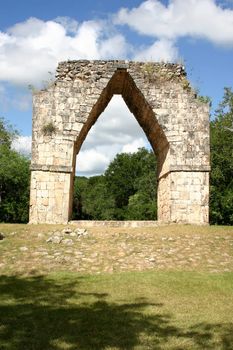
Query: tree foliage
14, 178
92, 200
221, 181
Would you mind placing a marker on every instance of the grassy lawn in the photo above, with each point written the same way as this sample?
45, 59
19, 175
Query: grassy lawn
151, 309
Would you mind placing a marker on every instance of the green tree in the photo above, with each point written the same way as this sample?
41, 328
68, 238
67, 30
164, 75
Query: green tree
14, 178
92, 200
221, 190
143, 204
131, 179
80, 190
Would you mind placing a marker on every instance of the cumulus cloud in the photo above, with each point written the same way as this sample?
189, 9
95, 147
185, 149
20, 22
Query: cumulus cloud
91, 162
30, 49
194, 18
116, 131
134, 145
22, 144
70, 25
161, 50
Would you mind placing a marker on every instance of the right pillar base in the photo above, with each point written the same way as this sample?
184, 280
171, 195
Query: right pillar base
183, 197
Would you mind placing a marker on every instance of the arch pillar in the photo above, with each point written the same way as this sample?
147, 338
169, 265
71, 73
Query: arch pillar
51, 194
183, 197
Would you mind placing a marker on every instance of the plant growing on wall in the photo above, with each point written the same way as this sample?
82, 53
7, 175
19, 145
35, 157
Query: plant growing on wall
48, 129
149, 71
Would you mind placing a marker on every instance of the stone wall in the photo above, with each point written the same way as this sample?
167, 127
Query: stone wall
175, 122
186, 193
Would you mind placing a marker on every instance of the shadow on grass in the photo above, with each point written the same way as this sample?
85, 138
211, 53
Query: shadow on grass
41, 313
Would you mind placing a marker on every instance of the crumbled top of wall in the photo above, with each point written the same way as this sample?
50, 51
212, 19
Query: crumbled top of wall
95, 69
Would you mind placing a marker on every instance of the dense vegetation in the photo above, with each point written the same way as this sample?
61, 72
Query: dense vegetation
14, 178
221, 150
127, 190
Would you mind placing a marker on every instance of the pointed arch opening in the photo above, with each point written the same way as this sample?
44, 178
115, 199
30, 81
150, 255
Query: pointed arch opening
123, 84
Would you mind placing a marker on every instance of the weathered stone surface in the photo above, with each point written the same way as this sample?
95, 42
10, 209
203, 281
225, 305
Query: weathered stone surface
67, 241
58, 237
175, 122
23, 249
54, 239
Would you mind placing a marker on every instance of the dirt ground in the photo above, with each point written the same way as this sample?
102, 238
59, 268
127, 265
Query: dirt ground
24, 249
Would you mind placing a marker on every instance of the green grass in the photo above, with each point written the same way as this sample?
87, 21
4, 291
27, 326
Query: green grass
181, 301
131, 310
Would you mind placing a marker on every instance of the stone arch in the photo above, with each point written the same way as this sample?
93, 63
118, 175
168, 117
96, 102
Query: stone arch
159, 96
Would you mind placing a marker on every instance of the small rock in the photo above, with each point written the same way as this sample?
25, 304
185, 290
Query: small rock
12, 233
54, 239
1, 236
67, 241
73, 234
57, 233
23, 249
40, 235
81, 232
151, 259
66, 258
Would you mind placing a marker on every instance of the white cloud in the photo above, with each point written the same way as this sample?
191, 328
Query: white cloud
22, 144
161, 50
194, 18
134, 146
91, 162
70, 25
29, 50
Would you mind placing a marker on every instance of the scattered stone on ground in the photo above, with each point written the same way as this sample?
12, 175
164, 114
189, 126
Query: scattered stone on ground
67, 241
116, 249
58, 237
23, 249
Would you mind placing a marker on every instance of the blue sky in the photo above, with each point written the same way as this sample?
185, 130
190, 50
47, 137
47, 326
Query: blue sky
36, 34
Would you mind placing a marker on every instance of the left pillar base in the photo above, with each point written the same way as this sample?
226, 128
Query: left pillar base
50, 197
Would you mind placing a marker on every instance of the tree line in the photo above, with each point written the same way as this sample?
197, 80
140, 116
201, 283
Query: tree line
127, 189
